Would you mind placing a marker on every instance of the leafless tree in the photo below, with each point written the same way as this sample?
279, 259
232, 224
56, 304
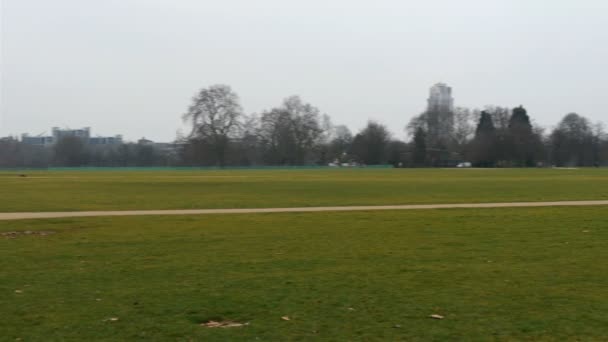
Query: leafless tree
291, 132
464, 125
575, 142
215, 115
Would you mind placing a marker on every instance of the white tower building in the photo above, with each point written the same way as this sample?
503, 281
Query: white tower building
440, 99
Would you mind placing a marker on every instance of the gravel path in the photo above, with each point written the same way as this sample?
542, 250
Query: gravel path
44, 215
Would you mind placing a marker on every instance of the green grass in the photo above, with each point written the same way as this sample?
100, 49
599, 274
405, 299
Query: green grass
116, 190
495, 274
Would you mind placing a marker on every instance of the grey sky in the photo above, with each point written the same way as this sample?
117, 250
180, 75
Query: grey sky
131, 66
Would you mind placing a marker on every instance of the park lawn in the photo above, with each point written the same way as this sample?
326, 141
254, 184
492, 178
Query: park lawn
123, 190
494, 274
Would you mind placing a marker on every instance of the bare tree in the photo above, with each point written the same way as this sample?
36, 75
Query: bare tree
439, 127
214, 114
305, 124
574, 142
341, 142
14, 153
418, 121
464, 126
291, 132
70, 151
500, 116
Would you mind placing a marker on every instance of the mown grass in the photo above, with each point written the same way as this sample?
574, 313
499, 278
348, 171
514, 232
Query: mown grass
116, 190
495, 274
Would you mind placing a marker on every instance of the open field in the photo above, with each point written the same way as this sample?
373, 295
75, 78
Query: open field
503, 274
492, 273
130, 190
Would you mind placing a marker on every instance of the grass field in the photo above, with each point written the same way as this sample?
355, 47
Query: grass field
116, 190
493, 274
503, 274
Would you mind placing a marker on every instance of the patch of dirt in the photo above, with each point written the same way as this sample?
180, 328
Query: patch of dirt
223, 324
14, 235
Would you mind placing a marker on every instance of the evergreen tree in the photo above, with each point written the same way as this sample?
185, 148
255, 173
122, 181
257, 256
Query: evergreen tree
520, 119
523, 144
484, 143
485, 125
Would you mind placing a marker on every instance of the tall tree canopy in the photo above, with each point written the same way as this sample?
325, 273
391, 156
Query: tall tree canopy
214, 114
370, 145
291, 131
574, 142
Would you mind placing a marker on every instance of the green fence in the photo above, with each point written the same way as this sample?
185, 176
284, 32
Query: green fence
209, 168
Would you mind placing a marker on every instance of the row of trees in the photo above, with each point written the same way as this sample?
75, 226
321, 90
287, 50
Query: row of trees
293, 133
297, 133
74, 152
506, 137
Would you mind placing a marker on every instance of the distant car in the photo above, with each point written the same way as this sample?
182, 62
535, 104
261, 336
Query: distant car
464, 164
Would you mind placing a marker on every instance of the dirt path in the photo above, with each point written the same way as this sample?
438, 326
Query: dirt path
42, 215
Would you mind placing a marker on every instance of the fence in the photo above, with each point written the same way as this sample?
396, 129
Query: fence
207, 168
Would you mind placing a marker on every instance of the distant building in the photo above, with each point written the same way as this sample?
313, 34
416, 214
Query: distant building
83, 133
440, 98
58, 134
37, 140
439, 116
115, 140
144, 141
166, 148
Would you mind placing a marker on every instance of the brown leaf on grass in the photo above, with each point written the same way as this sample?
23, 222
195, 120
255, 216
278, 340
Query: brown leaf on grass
233, 325
223, 324
211, 324
286, 318
436, 316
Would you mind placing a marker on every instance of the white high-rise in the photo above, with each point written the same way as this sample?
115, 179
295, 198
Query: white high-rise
440, 115
440, 99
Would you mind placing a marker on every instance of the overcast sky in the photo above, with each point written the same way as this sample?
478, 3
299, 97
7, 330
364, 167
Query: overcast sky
131, 66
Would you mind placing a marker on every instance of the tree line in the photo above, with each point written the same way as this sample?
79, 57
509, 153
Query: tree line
297, 133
